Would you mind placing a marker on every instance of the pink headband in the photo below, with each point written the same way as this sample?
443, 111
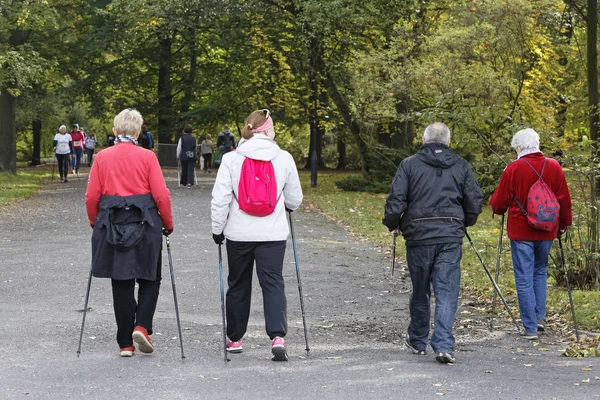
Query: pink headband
264, 127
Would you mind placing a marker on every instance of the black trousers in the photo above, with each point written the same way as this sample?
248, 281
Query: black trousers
63, 165
269, 267
207, 160
130, 313
187, 172
90, 156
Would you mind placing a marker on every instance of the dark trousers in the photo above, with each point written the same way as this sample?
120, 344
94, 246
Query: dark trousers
130, 313
207, 160
187, 172
90, 156
269, 267
436, 265
63, 165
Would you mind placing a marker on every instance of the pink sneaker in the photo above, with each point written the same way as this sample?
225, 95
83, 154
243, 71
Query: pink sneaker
278, 349
234, 347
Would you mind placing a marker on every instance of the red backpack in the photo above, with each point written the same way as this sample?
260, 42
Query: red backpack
542, 206
257, 190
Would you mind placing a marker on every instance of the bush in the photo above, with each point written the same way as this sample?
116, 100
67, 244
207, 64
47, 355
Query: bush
357, 183
330, 157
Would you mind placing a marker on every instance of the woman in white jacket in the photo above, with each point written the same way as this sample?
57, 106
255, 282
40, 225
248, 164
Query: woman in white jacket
252, 238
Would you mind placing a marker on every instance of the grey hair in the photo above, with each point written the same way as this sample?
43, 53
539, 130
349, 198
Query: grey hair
128, 122
62, 128
437, 133
526, 139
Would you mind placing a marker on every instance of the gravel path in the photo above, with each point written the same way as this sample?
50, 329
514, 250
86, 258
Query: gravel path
356, 315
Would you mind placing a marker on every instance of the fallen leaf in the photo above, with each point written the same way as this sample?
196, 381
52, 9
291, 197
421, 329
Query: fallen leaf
334, 358
586, 369
390, 369
487, 371
327, 326
528, 365
437, 384
586, 380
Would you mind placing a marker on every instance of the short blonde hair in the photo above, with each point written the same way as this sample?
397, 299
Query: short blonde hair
128, 122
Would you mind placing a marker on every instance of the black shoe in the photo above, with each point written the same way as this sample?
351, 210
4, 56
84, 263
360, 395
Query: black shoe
445, 357
528, 335
541, 326
65, 181
413, 349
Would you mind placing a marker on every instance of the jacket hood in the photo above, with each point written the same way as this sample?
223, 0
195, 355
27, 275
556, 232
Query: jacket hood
437, 155
259, 148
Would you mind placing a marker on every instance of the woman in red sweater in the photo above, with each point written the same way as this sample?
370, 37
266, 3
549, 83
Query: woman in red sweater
529, 246
129, 207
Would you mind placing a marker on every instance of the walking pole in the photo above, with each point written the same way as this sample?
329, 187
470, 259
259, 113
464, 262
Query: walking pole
562, 256
497, 271
496, 288
225, 359
394, 252
174, 294
85, 307
299, 282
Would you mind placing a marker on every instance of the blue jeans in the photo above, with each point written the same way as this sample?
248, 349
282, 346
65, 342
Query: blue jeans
77, 160
436, 265
530, 261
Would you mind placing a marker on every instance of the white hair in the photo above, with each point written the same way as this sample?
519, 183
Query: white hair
128, 122
526, 139
437, 133
62, 129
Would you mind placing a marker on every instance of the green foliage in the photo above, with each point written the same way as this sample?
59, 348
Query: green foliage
24, 184
355, 183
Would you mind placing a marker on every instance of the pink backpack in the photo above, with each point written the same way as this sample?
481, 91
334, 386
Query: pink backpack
257, 190
543, 208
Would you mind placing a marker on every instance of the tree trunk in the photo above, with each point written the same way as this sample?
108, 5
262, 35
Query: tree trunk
36, 126
316, 132
592, 78
8, 141
341, 148
165, 95
346, 113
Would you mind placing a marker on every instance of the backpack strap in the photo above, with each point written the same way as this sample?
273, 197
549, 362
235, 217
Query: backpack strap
525, 213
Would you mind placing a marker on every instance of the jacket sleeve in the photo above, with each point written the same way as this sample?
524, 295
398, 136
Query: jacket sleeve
94, 191
501, 198
222, 195
178, 148
395, 205
292, 190
160, 192
473, 198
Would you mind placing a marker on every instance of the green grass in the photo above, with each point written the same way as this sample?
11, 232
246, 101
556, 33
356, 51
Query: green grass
362, 213
24, 184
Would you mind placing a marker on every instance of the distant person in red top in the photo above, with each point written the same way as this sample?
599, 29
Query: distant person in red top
78, 143
529, 246
129, 207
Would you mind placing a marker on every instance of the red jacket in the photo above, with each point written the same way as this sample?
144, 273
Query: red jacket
78, 139
516, 180
124, 170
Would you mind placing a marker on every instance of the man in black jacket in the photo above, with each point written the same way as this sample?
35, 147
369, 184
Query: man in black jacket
433, 198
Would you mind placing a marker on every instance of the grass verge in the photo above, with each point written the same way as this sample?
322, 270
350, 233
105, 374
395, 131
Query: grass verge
24, 183
361, 213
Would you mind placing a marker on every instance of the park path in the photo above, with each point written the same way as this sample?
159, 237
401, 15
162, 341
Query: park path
355, 312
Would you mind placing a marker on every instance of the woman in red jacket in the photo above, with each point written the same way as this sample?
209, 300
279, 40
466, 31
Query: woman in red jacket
529, 246
129, 208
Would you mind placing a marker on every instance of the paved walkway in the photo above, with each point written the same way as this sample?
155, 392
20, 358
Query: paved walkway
356, 315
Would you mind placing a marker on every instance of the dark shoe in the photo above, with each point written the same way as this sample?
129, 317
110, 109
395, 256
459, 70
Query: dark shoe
445, 357
65, 181
528, 335
541, 326
279, 350
140, 336
413, 349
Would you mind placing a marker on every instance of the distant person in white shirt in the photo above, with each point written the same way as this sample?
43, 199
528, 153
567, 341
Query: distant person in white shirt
63, 147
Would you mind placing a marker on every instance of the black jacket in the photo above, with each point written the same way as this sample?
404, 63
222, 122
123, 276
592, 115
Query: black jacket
433, 197
188, 148
127, 238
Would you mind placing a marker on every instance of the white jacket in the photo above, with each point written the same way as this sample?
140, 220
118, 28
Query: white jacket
226, 215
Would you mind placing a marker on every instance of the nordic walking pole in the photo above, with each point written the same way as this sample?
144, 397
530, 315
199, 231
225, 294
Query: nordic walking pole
299, 282
496, 288
174, 293
85, 307
562, 256
222, 286
497, 271
394, 252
